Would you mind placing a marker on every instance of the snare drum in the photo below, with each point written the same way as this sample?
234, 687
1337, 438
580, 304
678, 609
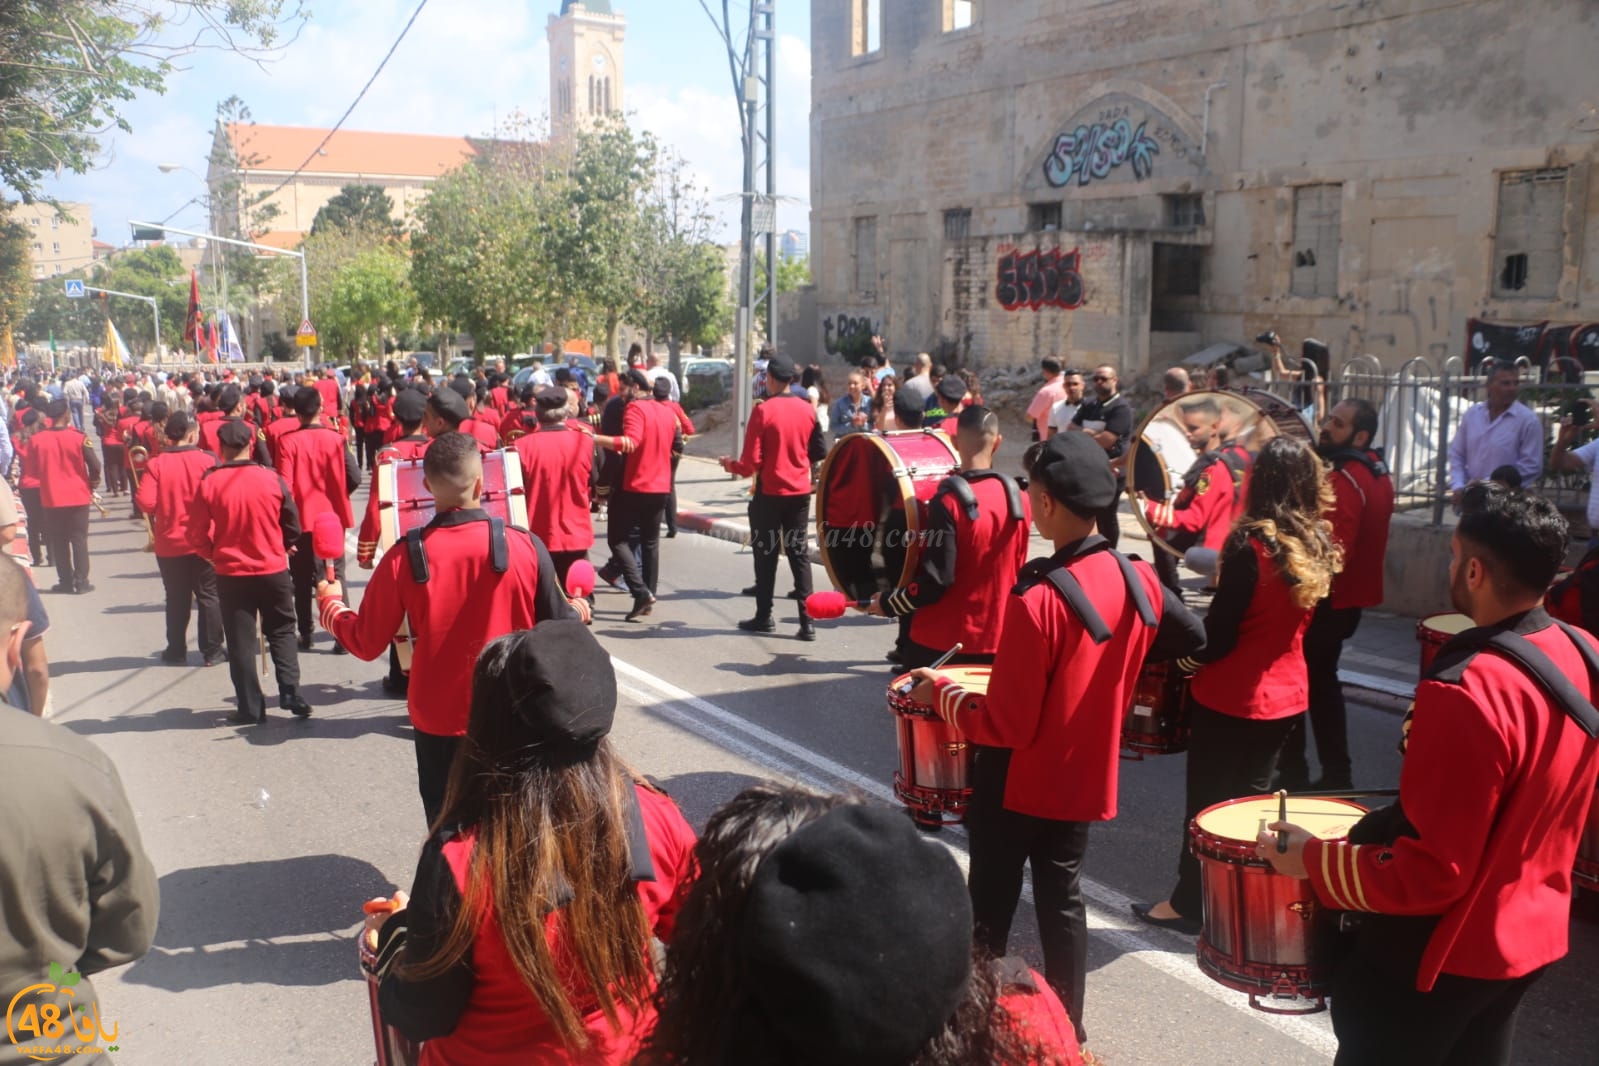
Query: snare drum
934, 775
869, 500
394, 1047
1264, 933
1585, 874
1436, 630
1157, 722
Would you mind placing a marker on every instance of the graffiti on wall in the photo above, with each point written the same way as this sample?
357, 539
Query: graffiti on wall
1035, 280
1118, 137
849, 335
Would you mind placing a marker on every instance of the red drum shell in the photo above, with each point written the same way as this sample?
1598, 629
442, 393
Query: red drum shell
868, 485
934, 775
394, 1048
1157, 721
1436, 630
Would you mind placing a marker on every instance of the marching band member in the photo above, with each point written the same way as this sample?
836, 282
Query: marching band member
781, 442
558, 476
232, 408
649, 433
68, 470
1203, 511
1506, 721
244, 522
1363, 507
461, 581
481, 428
977, 529
322, 473
31, 422
1251, 685
171, 480
526, 937
1078, 628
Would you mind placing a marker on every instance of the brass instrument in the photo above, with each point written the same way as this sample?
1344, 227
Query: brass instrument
138, 457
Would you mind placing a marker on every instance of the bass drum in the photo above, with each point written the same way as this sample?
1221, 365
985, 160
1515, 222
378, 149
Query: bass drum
1162, 451
869, 501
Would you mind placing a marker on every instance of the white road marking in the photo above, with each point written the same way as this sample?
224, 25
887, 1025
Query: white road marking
1107, 909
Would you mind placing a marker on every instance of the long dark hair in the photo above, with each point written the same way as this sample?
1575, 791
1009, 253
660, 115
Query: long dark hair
549, 837
1285, 507
706, 1012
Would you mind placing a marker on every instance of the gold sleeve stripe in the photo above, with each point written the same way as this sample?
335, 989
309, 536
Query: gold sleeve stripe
1326, 876
900, 603
950, 698
1353, 853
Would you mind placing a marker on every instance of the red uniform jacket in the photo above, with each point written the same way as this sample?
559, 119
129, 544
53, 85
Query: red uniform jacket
1497, 783
1253, 665
558, 475
1035, 1011
27, 476
1363, 507
111, 426
381, 418
264, 409
782, 441
485, 433
210, 442
684, 423
321, 473
66, 465
366, 545
1056, 698
461, 606
967, 569
331, 397
127, 430
1204, 508
243, 520
649, 429
171, 481
499, 400
481, 1013
275, 433
511, 421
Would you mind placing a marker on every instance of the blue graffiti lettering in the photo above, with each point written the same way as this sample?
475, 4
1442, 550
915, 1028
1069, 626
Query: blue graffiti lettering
1092, 152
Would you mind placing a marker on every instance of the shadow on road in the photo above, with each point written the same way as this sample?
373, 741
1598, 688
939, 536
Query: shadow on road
135, 608
278, 922
151, 721
109, 665
699, 795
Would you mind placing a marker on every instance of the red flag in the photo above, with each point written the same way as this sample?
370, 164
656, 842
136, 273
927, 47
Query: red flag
192, 323
211, 341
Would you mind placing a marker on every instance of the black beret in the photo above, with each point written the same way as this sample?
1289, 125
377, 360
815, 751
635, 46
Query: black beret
952, 387
551, 396
1074, 469
447, 403
781, 367
462, 386
859, 937
636, 378
410, 406
662, 389
233, 433
561, 690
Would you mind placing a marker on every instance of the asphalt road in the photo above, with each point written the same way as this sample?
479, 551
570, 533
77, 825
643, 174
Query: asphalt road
267, 839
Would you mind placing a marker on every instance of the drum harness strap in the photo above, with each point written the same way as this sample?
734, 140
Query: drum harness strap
499, 551
960, 487
1452, 660
1071, 590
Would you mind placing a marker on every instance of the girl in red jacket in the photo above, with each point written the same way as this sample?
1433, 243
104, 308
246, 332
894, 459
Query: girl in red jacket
1251, 685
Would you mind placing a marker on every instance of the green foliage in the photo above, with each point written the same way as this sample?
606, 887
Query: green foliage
365, 206
16, 269
154, 272
67, 67
791, 274
612, 170
682, 281
371, 298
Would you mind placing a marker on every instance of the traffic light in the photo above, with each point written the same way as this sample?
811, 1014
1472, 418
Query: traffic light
149, 233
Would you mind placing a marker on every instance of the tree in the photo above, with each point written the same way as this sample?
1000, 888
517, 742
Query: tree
67, 66
16, 264
367, 206
370, 298
154, 272
682, 276
791, 273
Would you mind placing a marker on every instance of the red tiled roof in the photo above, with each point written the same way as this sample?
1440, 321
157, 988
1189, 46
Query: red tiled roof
285, 148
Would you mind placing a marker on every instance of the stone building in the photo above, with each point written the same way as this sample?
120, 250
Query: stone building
586, 64
58, 243
1131, 180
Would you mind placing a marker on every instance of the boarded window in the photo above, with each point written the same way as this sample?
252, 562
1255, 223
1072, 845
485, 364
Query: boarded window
1042, 217
959, 14
866, 27
1318, 217
1529, 242
1185, 211
866, 255
957, 223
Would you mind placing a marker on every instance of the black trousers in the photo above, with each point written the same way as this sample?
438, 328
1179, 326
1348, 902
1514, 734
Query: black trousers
1381, 1020
780, 523
306, 571
1002, 843
671, 499
371, 444
67, 533
641, 509
1227, 758
563, 564
37, 525
116, 467
1329, 628
434, 754
186, 578
271, 598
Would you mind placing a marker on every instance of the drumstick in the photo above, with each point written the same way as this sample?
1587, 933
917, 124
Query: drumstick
1282, 816
905, 689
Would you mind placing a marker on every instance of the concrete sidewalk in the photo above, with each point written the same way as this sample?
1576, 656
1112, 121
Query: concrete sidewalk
1380, 665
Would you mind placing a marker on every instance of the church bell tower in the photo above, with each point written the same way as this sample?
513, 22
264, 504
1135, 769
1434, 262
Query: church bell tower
585, 64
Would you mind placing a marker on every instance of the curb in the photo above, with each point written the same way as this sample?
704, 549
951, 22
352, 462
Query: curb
726, 529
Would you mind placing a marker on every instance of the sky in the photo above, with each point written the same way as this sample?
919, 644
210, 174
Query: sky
464, 66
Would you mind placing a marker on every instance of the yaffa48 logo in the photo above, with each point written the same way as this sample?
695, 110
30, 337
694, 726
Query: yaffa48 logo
45, 1021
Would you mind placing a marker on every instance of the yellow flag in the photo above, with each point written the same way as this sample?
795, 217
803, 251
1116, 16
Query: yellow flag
8, 349
116, 349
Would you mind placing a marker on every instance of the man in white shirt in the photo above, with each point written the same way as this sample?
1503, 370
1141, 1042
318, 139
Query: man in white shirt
1064, 413
920, 384
1564, 458
658, 369
1044, 400
1500, 431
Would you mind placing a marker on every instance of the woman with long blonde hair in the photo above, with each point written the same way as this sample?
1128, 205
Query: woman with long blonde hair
1249, 683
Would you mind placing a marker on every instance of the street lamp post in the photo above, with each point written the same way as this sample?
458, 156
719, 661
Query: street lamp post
154, 307
305, 290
